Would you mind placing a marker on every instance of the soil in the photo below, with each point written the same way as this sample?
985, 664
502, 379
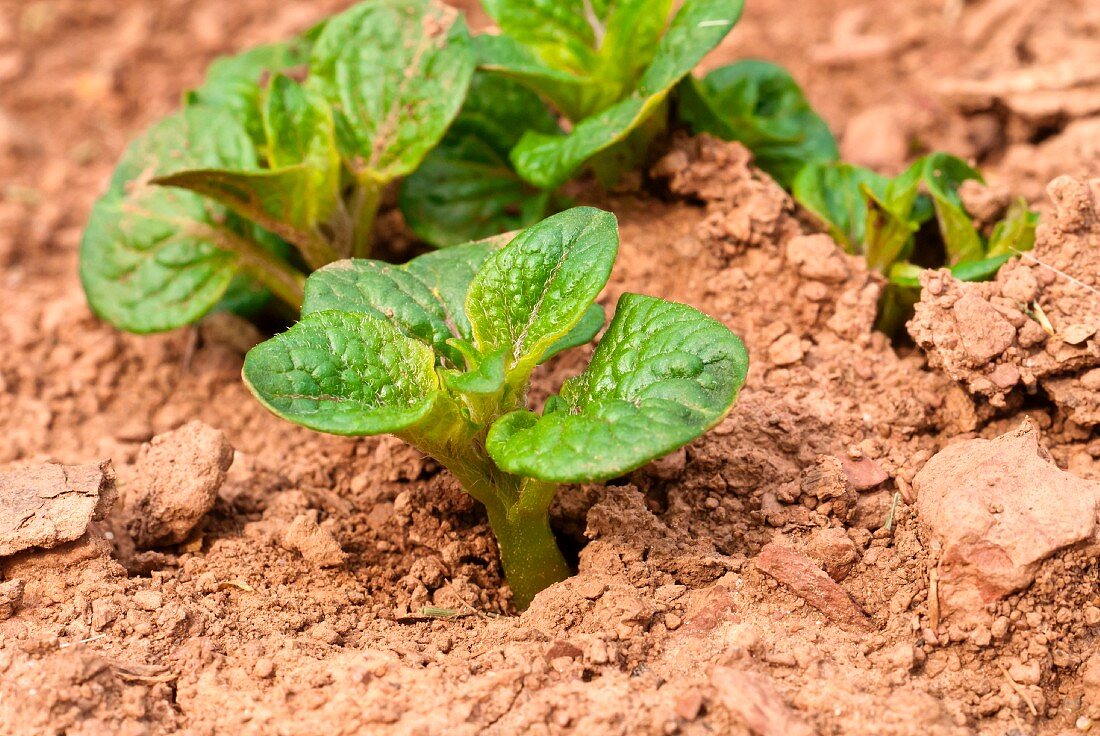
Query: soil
774, 577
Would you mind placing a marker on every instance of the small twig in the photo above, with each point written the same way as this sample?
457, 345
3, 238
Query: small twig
1063, 274
934, 598
191, 347
65, 644
1040, 316
1019, 690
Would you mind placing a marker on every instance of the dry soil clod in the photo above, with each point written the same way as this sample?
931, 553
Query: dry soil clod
810, 582
52, 504
173, 484
999, 508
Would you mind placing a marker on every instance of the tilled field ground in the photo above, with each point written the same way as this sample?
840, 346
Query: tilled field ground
879, 540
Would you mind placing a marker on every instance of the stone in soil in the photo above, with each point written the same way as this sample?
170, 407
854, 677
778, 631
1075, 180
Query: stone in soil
51, 504
173, 484
998, 508
313, 542
755, 701
811, 583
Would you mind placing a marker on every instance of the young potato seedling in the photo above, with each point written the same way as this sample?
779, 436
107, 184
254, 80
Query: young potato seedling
879, 218
607, 68
275, 166
439, 352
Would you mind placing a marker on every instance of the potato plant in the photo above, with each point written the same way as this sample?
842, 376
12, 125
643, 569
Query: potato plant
880, 217
440, 351
275, 166
565, 86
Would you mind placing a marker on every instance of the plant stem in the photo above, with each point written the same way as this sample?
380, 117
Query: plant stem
279, 277
529, 553
517, 509
364, 208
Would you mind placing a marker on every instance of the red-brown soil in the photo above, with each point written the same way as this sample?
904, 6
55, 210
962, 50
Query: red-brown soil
771, 578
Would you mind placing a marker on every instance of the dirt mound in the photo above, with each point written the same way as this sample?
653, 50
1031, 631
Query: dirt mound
1035, 326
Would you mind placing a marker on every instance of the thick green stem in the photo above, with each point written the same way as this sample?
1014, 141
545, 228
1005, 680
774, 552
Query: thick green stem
279, 277
517, 509
529, 553
364, 208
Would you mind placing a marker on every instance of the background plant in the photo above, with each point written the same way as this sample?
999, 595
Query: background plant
881, 218
262, 178
440, 352
606, 69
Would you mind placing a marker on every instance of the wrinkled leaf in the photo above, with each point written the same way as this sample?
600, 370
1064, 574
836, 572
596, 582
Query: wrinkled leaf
343, 373
573, 95
396, 73
234, 83
300, 129
424, 297
485, 379
760, 105
149, 260
466, 188
662, 375
943, 174
591, 323
548, 161
583, 56
697, 27
534, 291
283, 201
631, 32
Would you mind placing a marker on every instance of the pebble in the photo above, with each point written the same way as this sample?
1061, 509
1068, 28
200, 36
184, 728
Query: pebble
148, 600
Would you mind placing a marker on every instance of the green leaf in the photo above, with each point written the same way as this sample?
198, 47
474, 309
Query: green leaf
560, 33
234, 83
485, 379
424, 298
150, 258
395, 73
300, 129
1016, 233
895, 211
982, 270
342, 373
631, 32
760, 105
905, 274
581, 55
549, 161
533, 292
283, 201
835, 195
943, 174
696, 29
466, 188
662, 375
575, 96
591, 323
